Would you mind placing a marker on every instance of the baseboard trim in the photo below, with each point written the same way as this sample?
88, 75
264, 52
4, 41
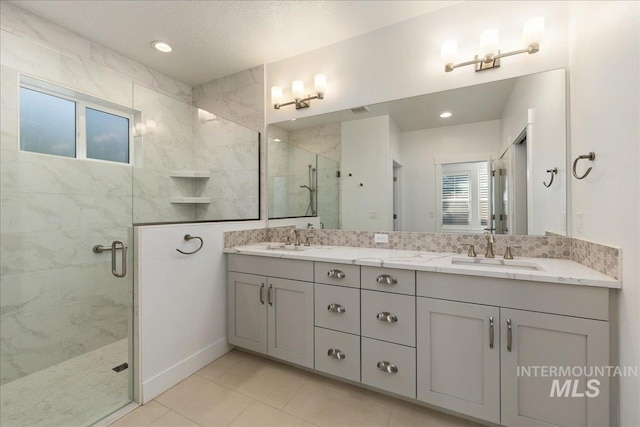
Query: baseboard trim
183, 369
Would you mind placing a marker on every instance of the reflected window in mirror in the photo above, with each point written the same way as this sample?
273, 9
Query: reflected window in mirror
463, 199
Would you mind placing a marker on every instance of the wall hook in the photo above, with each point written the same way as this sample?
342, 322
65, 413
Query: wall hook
188, 237
591, 157
553, 172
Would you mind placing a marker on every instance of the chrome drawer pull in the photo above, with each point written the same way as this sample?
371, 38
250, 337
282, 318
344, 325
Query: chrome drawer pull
336, 274
386, 279
385, 316
490, 331
509, 336
334, 353
336, 308
387, 367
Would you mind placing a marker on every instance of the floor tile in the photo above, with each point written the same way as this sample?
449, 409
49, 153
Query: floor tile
142, 416
259, 414
409, 414
173, 419
271, 386
236, 374
204, 402
324, 406
221, 365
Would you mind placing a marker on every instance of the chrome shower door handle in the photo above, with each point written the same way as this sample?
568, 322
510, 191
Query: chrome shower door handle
98, 249
123, 253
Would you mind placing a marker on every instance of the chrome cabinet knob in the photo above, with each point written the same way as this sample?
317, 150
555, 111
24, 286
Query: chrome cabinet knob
336, 308
335, 353
336, 274
386, 279
385, 316
387, 367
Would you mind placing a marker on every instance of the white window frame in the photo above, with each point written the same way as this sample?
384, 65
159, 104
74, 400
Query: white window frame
82, 102
472, 167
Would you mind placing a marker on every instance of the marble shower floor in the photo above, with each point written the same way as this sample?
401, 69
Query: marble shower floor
76, 392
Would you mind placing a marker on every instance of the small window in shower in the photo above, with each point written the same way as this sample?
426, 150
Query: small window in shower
47, 123
107, 136
63, 122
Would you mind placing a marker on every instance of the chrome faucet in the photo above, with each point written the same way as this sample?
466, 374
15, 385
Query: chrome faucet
490, 241
295, 236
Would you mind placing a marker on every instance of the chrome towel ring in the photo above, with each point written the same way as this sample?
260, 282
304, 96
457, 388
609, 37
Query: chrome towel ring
591, 157
188, 237
553, 172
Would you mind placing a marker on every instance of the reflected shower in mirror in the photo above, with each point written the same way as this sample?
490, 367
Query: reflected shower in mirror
471, 160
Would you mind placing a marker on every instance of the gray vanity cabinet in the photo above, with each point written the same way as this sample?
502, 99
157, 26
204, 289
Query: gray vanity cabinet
458, 355
271, 315
539, 339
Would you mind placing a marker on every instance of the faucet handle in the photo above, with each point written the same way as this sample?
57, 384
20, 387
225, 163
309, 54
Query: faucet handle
307, 241
507, 252
472, 250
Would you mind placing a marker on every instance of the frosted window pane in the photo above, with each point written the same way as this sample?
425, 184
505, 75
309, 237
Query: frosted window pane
47, 123
107, 136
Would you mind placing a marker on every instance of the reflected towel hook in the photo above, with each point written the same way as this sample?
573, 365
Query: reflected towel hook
591, 157
553, 172
188, 237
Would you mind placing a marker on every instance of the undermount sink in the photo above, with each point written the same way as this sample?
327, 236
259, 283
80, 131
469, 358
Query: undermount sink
283, 247
507, 264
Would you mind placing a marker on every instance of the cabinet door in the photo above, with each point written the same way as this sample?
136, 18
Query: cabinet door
290, 319
247, 311
458, 362
552, 342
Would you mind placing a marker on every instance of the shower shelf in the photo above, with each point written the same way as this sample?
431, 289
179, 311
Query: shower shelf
198, 200
190, 174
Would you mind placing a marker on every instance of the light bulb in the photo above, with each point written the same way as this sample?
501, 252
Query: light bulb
449, 51
489, 43
533, 30
276, 95
320, 84
297, 89
162, 46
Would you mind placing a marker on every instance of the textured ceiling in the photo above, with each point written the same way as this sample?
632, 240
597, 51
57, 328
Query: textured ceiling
212, 39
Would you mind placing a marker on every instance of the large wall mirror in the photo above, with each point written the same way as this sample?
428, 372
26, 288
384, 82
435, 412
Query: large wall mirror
490, 157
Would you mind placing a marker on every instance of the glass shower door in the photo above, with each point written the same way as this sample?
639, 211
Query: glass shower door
66, 310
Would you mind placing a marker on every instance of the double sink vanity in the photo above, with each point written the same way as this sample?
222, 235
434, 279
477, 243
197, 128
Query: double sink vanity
448, 331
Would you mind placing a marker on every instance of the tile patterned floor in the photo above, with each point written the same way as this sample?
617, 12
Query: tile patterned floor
241, 389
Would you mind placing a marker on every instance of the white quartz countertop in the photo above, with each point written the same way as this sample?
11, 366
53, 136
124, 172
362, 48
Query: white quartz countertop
530, 269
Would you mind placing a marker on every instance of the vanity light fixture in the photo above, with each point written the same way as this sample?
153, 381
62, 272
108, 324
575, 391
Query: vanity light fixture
162, 46
297, 90
489, 57
445, 115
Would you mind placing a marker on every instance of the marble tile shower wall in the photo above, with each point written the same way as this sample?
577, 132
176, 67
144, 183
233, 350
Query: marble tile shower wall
328, 193
605, 259
230, 152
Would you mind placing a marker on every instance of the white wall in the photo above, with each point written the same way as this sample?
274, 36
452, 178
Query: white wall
365, 160
419, 150
181, 304
403, 60
605, 118
544, 95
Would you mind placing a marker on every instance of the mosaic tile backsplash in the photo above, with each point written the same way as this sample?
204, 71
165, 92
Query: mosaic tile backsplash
603, 259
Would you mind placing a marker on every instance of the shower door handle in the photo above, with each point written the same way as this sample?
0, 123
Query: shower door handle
115, 245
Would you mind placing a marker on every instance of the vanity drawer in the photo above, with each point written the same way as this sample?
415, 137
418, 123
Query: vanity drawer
389, 280
337, 308
337, 274
338, 354
272, 267
390, 367
389, 317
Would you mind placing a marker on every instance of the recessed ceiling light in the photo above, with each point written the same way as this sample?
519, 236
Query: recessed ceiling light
445, 115
162, 46
277, 140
